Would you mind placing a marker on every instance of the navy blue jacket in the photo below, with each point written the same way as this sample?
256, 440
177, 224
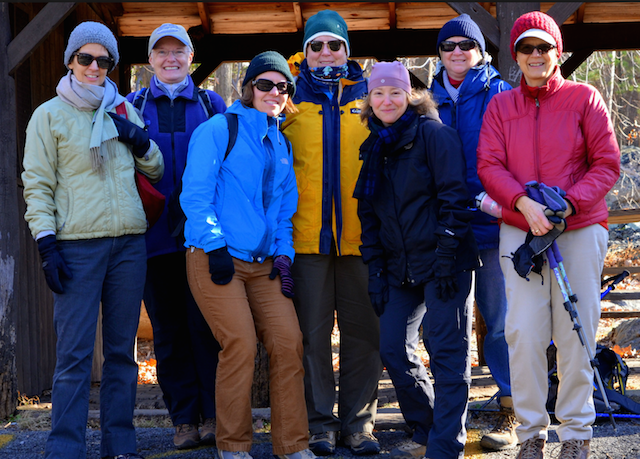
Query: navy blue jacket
420, 205
480, 84
170, 125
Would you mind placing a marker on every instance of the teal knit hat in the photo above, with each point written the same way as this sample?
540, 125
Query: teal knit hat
325, 22
266, 62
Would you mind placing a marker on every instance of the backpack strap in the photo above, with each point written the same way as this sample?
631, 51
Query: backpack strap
232, 122
205, 101
122, 110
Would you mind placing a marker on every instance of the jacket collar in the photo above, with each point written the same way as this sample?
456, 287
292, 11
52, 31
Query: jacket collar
190, 92
477, 79
553, 85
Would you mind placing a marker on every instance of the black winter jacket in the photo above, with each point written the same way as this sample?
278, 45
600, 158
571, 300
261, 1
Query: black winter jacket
420, 205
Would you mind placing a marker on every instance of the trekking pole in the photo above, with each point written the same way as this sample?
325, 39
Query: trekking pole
614, 281
556, 265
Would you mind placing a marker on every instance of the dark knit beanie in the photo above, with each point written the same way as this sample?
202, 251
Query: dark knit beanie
266, 62
325, 22
535, 20
91, 32
462, 26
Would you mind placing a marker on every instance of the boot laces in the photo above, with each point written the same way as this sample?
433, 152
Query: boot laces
506, 423
571, 449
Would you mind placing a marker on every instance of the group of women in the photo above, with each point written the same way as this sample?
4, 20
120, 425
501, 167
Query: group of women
413, 203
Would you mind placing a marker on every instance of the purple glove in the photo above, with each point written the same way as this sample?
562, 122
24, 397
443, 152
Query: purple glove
282, 266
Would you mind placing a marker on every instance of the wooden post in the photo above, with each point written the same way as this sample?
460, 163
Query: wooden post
9, 226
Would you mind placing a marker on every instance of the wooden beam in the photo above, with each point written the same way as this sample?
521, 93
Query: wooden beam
617, 217
618, 269
577, 58
507, 13
561, 11
25, 43
392, 15
204, 17
204, 70
487, 23
620, 314
297, 11
580, 15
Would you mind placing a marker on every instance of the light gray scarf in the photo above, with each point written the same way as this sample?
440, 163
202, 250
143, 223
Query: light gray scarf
87, 97
453, 92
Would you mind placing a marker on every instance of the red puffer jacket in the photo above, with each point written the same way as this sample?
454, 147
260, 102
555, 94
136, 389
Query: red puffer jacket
561, 138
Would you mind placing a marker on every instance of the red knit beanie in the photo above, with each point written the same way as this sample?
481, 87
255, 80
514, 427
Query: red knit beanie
535, 20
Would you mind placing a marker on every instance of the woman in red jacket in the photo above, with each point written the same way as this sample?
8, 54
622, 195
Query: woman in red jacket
555, 132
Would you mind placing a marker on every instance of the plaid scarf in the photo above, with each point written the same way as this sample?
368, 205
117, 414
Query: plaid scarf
372, 160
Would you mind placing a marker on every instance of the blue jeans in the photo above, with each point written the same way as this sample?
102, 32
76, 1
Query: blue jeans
111, 271
492, 304
436, 413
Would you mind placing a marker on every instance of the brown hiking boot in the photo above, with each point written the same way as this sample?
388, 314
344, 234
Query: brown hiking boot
574, 449
533, 448
503, 434
186, 436
208, 432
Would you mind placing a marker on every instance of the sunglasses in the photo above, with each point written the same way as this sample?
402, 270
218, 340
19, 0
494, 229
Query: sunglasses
85, 60
528, 49
316, 46
464, 45
283, 87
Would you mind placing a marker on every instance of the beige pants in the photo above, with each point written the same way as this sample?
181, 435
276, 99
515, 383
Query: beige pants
535, 316
251, 308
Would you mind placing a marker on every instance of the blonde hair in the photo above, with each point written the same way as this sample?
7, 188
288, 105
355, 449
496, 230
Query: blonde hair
247, 99
420, 101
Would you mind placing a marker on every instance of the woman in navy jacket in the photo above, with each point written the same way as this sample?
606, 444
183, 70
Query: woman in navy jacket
420, 249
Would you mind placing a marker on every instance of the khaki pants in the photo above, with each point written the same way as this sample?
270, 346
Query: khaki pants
535, 316
251, 308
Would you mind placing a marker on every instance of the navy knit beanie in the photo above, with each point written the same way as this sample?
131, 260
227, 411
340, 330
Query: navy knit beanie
325, 22
462, 26
266, 62
91, 32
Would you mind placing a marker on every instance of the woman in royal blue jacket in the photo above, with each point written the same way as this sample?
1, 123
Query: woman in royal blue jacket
239, 238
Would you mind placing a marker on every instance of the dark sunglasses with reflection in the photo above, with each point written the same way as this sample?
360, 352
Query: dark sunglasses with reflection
544, 48
104, 62
464, 45
264, 85
316, 45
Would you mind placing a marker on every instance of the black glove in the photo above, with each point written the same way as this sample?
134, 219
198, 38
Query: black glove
446, 282
52, 263
378, 287
282, 266
221, 266
132, 134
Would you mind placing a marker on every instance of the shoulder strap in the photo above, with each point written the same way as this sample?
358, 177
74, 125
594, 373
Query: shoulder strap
122, 110
205, 101
140, 100
232, 122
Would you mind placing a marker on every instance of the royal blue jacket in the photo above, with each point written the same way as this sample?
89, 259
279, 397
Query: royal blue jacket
244, 202
480, 84
170, 124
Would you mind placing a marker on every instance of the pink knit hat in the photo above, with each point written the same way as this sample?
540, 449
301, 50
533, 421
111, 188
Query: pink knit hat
536, 24
390, 74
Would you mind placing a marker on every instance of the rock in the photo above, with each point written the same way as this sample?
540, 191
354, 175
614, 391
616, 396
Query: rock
627, 334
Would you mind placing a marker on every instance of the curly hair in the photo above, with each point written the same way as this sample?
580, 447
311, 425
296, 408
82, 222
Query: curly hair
420, 101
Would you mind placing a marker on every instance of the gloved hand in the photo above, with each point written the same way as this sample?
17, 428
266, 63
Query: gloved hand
52, 263
446, 282
132, 134
282, 266
378, 287
221, 266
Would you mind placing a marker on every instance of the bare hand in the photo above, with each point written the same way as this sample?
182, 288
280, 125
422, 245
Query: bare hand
533, 212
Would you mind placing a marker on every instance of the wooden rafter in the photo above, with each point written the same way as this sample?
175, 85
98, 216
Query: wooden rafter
562, 11
482, 17
297, 11
577, 57
392, 15
580, 14
204, 17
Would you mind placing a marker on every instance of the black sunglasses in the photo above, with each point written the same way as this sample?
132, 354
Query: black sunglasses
316, 46
465, 45
528, 49
283, 87
85, 60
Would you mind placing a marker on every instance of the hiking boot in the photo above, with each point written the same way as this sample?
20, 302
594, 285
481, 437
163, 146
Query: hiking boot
208, 432
503, 434
233, 454
304, 454
408, 450
362, 443
323, 444
533, 448
186, 436
574, 449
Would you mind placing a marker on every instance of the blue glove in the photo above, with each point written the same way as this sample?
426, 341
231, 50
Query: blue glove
378, 287
282, 266
52, 263
132, 134
446, 282
221, 266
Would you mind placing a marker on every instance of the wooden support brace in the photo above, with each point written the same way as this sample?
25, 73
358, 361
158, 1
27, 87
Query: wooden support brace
487, 23
392, 15
577, 58
561, 11
297, 11
204, 17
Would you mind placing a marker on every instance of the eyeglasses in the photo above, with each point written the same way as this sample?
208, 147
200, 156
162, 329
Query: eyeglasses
163, 53
104, 62
283, 87
544, 48
316, 46
464, 45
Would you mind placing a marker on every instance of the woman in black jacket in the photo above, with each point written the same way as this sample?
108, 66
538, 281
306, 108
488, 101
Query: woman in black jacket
417, 242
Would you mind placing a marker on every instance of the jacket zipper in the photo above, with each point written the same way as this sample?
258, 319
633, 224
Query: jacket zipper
536, 141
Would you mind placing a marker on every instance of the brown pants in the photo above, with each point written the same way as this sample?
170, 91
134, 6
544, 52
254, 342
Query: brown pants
250, 308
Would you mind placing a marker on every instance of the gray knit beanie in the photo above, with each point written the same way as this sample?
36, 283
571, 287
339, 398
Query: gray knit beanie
91, 32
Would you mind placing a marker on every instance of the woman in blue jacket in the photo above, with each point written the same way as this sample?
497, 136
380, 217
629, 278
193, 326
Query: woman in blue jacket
417, 238
239, 238
464, 84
